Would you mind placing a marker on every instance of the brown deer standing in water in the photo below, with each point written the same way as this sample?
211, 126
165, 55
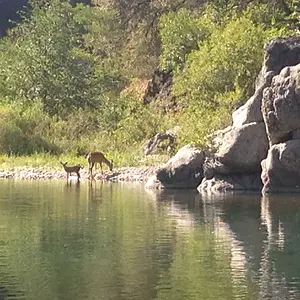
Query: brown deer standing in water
72, 169
98, 157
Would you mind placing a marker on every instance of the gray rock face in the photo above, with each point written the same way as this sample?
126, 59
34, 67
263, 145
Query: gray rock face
221, 178
296, 134
225, 183
281, 105
244, 148
270, 116
251, 110
216, 139
279, 53
154, 184
281, 168
184, 170
281, 114
261, 146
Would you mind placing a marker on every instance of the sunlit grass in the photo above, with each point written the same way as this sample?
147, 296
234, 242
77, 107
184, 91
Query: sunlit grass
136, 159
38, 160
45, 160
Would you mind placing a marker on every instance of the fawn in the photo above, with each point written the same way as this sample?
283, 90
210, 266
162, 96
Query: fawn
71, 169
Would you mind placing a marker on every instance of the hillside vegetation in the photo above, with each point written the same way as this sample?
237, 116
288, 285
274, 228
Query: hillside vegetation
72, 78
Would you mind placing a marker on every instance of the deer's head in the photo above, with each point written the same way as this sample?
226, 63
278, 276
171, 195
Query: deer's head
63, 164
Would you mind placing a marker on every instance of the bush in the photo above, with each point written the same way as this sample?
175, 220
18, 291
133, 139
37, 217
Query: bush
180, 33
12, 139
198, 124
219, 73
24, 130
228, 61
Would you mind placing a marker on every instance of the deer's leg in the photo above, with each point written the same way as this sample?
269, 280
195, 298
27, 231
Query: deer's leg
90, 164
91, 169
78, 175
101, 167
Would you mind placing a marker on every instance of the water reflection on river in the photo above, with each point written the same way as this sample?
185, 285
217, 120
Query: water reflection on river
120, 241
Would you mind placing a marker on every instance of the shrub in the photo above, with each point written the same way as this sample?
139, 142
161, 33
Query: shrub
24, 130
180, 33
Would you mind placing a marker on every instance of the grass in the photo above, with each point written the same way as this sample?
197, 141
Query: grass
45, 160
32, 161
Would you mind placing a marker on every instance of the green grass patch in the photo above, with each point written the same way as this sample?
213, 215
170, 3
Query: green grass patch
44, 160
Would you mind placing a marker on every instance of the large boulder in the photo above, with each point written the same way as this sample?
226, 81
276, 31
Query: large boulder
251, 111
281, 105
281, 114
225, 183
244, 148
183, 170
234, 159
279, 53
281, 168
270, 116
221, 178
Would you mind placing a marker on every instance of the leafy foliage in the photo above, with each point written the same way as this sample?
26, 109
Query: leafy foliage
24, 131
227, 61
67, 91
180, 34
51, 64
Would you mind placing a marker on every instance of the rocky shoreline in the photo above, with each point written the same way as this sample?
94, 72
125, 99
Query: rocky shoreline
258, 151
140, 174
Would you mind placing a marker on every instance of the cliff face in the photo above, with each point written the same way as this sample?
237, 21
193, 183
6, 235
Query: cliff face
9, 11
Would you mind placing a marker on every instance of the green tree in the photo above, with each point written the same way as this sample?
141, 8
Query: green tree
42, 59
220, 73
180, 33
228, 61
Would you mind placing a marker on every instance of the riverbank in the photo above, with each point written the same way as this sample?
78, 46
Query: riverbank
140, 174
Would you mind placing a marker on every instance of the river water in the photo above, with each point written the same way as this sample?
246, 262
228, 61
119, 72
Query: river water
117, 241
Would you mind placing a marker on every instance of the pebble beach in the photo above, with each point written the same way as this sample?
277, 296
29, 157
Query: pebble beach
140, 174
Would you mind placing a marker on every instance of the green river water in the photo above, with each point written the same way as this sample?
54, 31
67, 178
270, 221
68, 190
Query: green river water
118, 241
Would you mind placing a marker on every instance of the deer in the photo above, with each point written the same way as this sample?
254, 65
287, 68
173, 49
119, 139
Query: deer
72, 169
98, 157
